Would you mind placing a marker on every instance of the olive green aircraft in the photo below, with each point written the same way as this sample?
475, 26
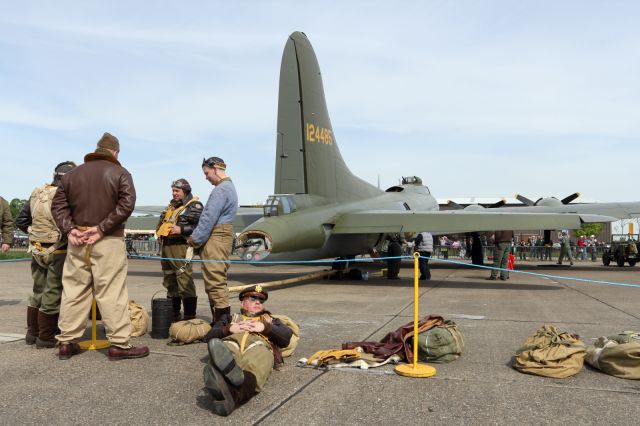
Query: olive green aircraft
320, 210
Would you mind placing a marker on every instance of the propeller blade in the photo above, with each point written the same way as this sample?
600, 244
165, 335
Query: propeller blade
570, 198
498, 204
524, 200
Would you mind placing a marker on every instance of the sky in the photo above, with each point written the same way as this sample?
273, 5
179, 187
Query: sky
479, 98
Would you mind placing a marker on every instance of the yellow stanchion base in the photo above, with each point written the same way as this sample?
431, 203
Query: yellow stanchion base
94, 345
418, 370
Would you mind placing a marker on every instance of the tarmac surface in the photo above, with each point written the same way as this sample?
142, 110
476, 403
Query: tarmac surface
479, 388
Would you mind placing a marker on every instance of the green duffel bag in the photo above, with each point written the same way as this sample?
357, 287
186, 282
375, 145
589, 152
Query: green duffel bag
550, 353
441, 344
617, 355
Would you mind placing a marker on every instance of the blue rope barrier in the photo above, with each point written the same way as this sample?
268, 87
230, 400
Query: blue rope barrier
293, 262
21, 259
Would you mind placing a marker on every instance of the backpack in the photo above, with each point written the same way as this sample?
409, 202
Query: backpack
617, 355
440, 344
188, 331
550, 353
295, 337
139, 319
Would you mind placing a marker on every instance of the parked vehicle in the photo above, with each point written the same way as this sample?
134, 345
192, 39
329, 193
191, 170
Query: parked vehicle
623, 248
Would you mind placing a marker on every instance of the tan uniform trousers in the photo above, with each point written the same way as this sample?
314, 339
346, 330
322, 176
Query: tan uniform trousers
47, 282
178, 274
257, 357
104, 278
218, 247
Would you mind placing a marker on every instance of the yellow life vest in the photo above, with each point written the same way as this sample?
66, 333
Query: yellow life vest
170, 218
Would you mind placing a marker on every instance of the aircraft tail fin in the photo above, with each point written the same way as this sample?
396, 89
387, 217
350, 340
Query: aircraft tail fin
308, 160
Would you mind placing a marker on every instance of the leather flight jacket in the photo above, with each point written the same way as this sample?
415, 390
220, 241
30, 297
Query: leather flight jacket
99, 193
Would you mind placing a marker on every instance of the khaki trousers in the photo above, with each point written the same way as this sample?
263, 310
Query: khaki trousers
257, 357
104, 277
218, 247
178, 278
47, 283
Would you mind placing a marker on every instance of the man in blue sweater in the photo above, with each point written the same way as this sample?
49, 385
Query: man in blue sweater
214, 235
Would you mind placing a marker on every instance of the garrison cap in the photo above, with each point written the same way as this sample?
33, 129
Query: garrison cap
182, 184
256, 291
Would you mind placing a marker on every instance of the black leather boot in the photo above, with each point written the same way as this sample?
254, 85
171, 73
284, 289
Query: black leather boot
222, 315
32, 325
177, 304
190, 306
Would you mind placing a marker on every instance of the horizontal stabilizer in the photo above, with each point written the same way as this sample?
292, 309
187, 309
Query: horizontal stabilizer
596, 218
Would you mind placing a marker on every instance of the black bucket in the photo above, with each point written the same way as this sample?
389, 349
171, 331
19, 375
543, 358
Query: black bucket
161, 314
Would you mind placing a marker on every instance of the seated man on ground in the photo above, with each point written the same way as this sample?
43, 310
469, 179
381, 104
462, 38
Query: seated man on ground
244, 352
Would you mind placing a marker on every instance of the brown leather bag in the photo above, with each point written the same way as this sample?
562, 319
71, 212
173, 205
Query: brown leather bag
397, 342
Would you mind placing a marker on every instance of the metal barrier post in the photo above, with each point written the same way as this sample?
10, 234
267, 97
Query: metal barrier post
415, 370
94, 344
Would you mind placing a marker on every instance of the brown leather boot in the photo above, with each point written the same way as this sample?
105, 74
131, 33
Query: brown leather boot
190, 306
246, 390
48, 326
32, 325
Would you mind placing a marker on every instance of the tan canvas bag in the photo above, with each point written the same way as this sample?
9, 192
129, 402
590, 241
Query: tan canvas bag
189, 331
550, 353
617, 355
295, 337
139, 319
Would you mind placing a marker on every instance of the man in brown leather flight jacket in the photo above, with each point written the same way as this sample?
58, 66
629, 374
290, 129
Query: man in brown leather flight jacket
90, 207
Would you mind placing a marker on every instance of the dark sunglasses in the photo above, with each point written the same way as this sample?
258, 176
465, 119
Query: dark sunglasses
255, 299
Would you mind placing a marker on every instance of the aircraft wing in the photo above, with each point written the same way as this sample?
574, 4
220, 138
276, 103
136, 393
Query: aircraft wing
456, 221
244, 217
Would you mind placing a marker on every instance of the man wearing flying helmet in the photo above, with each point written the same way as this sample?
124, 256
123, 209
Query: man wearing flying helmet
214, 235
176, 224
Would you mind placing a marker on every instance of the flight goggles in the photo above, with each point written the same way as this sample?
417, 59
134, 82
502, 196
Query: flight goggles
214, 162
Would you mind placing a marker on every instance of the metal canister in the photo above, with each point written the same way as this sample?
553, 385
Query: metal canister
161, 314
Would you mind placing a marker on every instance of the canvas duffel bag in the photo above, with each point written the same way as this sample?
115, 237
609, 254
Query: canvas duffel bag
550, 353
443, 343
617, 355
